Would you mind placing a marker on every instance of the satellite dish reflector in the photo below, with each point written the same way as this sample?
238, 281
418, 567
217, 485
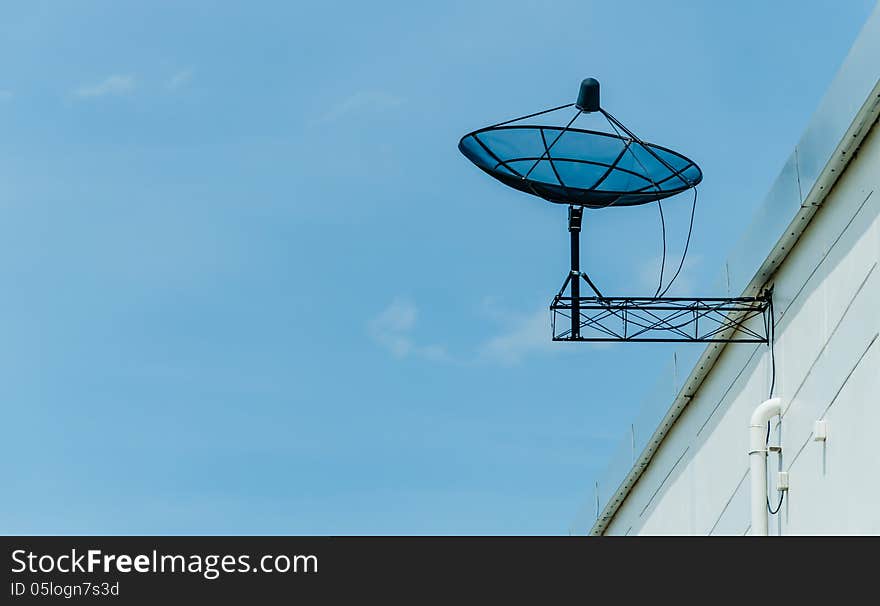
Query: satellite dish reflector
584, 168
567, 165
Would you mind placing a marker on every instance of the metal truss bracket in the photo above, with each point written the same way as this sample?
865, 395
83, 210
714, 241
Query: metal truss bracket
661, 320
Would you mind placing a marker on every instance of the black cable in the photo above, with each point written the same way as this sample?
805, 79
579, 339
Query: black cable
772, 348
627, 148
778, 505
614, 124
663, 261
772, 362
772, 388
687, 244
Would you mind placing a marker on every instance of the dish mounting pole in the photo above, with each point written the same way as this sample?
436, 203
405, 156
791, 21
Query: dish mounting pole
575, 217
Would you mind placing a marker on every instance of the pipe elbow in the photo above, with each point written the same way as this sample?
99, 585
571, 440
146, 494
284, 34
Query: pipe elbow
766, 411
758, 423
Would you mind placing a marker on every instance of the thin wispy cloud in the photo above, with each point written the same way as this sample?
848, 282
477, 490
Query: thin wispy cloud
392, 329
113, 85
179, 79
522, 335
365, 101
5, 95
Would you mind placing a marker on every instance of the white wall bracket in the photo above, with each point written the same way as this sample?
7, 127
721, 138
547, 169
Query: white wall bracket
820, 430
782, 481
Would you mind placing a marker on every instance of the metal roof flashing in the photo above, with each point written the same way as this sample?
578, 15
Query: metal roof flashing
847, 111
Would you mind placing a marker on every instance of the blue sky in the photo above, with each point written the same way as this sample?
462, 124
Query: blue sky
251, 286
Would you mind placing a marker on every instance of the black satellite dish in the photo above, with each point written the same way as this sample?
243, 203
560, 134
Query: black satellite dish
588, 168
595, 170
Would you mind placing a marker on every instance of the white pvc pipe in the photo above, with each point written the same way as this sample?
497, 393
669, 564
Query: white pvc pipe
758, 462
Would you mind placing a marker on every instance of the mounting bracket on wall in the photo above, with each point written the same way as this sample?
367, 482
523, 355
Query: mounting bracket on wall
662, 320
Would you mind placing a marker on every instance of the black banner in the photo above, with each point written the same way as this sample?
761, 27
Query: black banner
157, 570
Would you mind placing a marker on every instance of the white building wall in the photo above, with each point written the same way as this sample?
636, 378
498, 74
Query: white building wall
827, 308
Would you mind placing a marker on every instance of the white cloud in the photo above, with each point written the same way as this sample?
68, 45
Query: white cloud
361, 101
392, 329
524, 335
5, 95
521, 335
113, 85
179, 79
